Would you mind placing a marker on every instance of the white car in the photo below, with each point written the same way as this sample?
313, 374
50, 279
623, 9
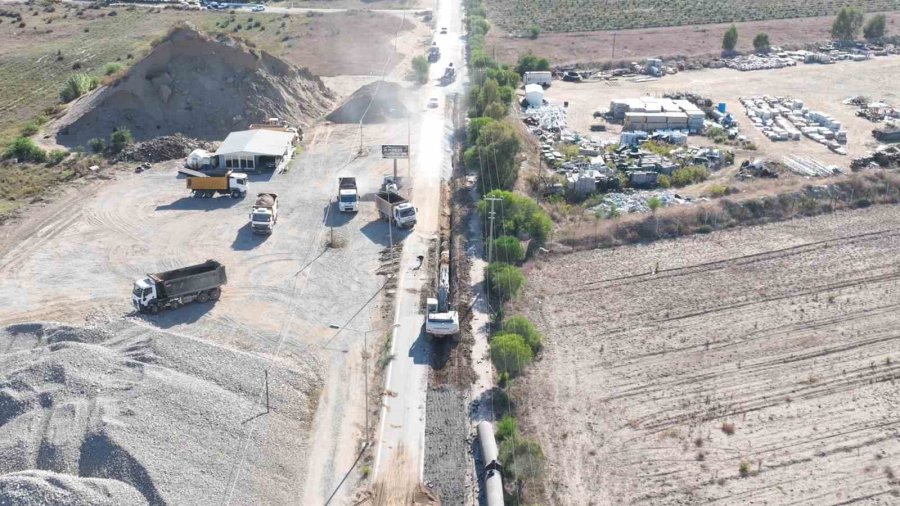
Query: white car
443, 30
258, 8
432, 103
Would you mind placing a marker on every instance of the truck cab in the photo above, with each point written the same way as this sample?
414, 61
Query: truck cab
144, 294
264, 214
405, 215
348, 195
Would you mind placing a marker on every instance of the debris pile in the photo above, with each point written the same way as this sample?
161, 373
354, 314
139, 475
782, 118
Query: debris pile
759, 62
373, 103
809, 167
160, 149
756, 169
636, 201
872, 110
548, 118
887, 157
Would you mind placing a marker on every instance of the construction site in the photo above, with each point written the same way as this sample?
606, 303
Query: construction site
338, 253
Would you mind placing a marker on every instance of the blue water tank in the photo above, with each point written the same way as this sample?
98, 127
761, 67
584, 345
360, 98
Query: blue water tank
721, 106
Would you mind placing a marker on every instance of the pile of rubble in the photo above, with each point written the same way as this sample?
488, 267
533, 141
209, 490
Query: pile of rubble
872, 110
548, 118
759, 62
636, 201
887, 157
160, 149
756, 169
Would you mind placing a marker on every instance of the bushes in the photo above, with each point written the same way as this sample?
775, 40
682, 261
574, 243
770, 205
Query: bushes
729, 40
510, 354
522, 217
420, 68
507, 428
76, 86
120, 138
25, 150
504, 280
529, 62
874, 28
495, 155
111, 68
523, 459
97, 145
521, 326
847, 24
508, 249
690, 175
761, 43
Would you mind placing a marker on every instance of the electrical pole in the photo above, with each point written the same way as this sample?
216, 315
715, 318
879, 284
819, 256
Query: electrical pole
267, 390
613, 46
366, 372
491, 216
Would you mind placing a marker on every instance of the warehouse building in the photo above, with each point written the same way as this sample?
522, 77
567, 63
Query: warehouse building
256, 150
650, 114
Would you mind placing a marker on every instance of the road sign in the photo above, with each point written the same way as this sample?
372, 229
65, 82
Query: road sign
395, 151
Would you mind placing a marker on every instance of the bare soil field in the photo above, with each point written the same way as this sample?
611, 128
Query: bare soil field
756, 366
821, 87
689, 41
35, 60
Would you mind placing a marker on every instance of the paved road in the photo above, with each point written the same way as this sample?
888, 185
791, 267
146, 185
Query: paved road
399, 454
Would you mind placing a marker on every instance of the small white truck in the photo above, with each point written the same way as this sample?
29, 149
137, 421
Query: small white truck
264, 215
348, 195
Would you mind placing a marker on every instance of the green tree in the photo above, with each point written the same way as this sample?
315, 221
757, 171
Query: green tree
520, 216
534, 31
761, 43
509, 353
96, 144
475, 126
521, 326
847, 24
507, 428
420, 68
495, 156
690, 175
495, 111
529, 62
504, 280
508, 249
729, 41
654, 204
24, 149
875, 27
119, 139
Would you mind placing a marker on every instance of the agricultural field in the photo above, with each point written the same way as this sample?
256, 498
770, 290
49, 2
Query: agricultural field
518, 16
38, 53
752, 366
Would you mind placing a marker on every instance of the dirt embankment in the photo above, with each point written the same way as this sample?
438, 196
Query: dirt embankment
125, 414
198, 86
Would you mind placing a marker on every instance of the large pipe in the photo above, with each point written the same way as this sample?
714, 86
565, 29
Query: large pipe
493, 483
493, 488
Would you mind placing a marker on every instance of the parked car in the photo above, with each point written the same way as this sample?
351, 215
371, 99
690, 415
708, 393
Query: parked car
258, 8
432, 103
443, 30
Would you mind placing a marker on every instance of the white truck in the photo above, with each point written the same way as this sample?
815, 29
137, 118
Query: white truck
440, 320
175, 288
264, 214
538, 77
348, 195
396, 209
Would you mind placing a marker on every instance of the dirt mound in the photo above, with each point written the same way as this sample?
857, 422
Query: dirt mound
198, 86
27, 488
140, 404
373, 103
167, 147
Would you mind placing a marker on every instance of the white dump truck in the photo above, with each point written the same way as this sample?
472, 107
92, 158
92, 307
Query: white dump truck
348, 195
396, 209
173, 289
264, 214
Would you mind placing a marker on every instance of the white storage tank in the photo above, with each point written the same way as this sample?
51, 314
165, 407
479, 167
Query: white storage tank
534, 94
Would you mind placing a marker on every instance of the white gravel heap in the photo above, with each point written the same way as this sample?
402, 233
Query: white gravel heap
636, 202
549, 117
148, 414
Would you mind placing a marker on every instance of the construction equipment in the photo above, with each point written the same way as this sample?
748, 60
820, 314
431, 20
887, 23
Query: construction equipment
264, 214
348, 196
396, 209
229, 183
449, 75
173, 289
434, 52
440, 319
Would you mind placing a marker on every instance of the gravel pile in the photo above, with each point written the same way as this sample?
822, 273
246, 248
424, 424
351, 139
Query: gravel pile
39, 488
550, 118
160, 149
163, 416
636, 202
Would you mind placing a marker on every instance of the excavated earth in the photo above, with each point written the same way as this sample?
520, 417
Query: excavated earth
198, 86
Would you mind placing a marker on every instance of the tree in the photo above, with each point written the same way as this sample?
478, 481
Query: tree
420, 68
508, 249
504, 280
654, 204
761, 43
24, 149
120, 138
534, 31
475, 126
495, 111
847, 24
874, 29
521, 326
729, 41
509, 353
528, 62
496, 155
520, 216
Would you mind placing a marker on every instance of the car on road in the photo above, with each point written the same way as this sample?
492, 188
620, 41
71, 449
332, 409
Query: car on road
258, 8
443, 30
432, 103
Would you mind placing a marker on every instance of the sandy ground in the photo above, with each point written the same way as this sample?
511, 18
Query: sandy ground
678, 41
784, 334
821, 87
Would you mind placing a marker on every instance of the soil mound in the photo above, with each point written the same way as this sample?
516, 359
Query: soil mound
145, 413
200, 87
373, 103
39, 488
167, 147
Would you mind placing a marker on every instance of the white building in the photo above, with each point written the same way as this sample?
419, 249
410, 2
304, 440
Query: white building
256, 150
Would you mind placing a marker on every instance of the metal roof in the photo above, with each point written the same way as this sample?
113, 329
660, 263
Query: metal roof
257, 142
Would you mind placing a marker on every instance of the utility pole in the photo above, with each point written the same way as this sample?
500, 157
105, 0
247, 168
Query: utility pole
613, 46
491, 216
366, 372
267, 390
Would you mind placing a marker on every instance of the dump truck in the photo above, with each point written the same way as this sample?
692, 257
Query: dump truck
449, 75
228, 183
396, 209
264, 214
348, 196
173, 289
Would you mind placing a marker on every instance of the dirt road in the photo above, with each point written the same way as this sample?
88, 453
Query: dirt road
399, 455
757, 366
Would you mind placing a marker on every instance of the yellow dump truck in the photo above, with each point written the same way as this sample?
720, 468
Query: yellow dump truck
229, 183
